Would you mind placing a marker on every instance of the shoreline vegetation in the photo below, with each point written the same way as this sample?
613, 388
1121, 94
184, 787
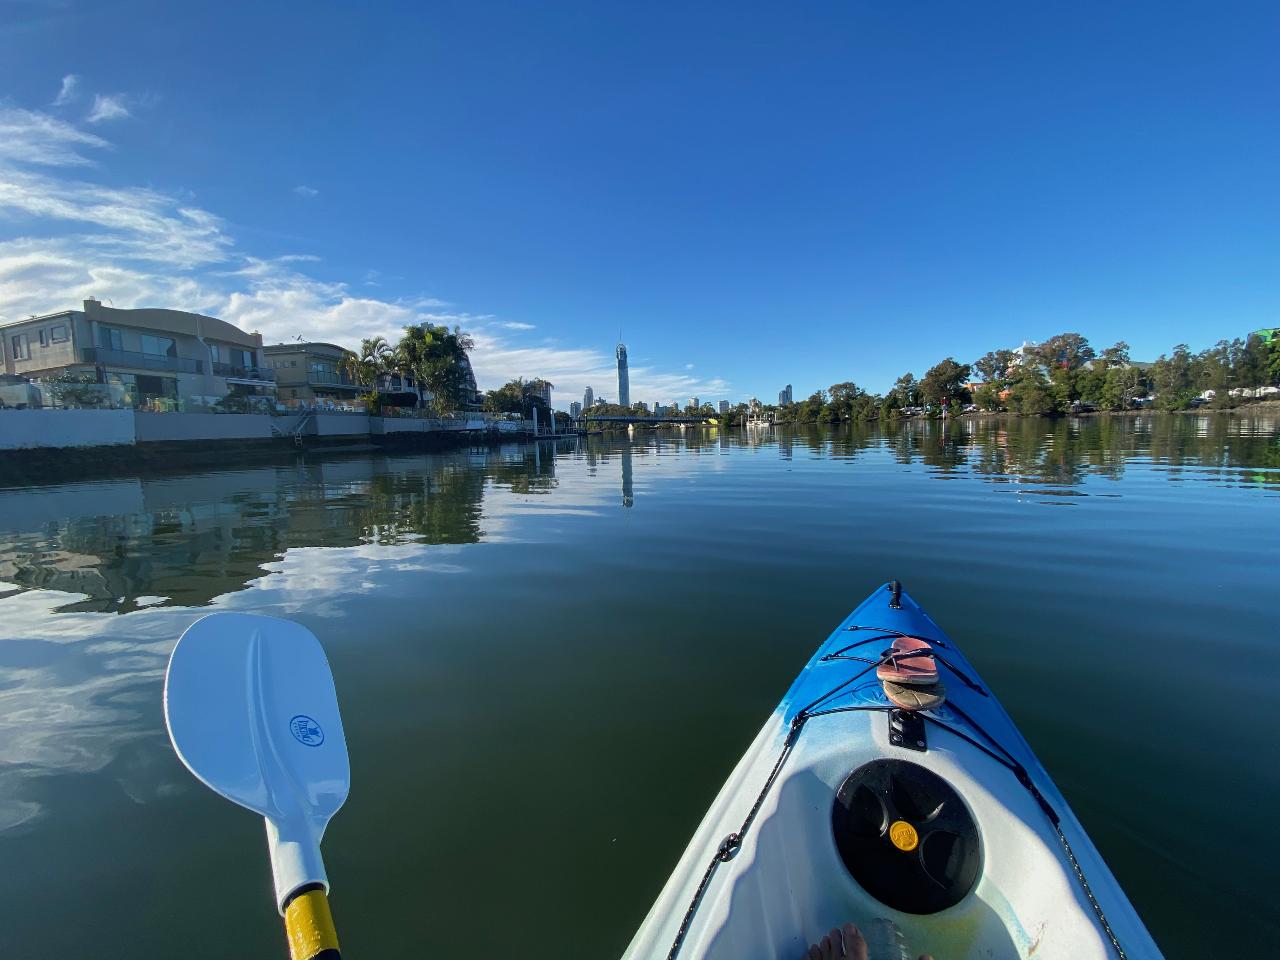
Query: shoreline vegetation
1064, 375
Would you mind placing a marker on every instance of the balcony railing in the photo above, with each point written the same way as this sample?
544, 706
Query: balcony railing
141, 361
242, 373
325, 378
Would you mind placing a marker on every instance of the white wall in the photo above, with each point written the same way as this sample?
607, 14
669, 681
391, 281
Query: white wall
202, 426
338, 424
30, 429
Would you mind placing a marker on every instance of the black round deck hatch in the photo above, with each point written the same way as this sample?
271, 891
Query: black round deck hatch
906, 836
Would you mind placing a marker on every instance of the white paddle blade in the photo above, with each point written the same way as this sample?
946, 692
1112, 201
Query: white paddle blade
253, 713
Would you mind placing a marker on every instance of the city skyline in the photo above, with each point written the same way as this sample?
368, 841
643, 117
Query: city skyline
935, 210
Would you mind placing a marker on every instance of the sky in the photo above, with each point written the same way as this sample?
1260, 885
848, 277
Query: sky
750, 194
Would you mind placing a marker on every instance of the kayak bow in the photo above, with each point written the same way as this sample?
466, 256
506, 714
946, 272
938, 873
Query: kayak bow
937, 817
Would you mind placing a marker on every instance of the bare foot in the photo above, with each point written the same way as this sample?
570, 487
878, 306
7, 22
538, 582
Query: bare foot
847, 942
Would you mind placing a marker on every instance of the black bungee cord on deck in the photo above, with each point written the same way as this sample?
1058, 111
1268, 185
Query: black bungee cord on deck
731, 844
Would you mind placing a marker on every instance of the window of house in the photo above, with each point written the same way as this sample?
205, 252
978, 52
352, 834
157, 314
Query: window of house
44, 337
59, 334
159, 346
214, 353
20, 347
110, 338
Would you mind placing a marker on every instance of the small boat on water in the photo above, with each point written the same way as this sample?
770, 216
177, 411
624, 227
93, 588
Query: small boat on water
889, 788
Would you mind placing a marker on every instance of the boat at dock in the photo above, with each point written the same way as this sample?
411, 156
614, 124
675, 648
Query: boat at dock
889, 788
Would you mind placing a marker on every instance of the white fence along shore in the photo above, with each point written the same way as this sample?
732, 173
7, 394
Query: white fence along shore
64, 429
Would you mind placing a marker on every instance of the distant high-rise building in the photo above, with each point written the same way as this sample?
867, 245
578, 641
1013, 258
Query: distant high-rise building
724, 406
575, 409
588, 399
642, 405
624, 378
784, 396
695, 402
543, 391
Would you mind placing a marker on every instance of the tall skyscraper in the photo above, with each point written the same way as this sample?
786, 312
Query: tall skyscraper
784, 396
575, 409
588, 399
624, 378
695, 402
724, 406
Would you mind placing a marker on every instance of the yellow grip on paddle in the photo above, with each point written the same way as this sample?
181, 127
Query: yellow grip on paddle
308, 924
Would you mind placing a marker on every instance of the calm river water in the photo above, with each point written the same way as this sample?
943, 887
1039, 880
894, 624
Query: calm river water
549, 659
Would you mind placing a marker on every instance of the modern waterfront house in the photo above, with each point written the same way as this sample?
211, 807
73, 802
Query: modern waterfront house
146, 358
311, 373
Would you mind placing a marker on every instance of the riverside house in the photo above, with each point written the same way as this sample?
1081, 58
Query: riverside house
311, 374
152, 359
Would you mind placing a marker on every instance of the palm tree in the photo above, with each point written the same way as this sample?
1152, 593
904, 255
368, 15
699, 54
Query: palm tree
374, 360
437, 357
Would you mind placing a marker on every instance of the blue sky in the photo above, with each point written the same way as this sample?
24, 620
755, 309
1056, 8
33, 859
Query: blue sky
754, 194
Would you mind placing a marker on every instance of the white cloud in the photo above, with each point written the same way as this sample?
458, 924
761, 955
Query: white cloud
68, 91
108, 106
31, 137
137, 223
303, 190
573, 369
137, 246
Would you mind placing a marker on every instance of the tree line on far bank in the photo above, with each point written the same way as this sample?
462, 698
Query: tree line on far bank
1058, 376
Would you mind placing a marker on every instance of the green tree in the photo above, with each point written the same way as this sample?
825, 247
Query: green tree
1121, 387
1066, 351
1173, 378
906, 391
842, 399
438, 358
810, 409
1117, 355
1029, 394
375, 359
523, 396
987, 396
944, 382
993, 366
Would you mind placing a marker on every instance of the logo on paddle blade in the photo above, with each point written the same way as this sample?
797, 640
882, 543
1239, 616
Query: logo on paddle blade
306, 731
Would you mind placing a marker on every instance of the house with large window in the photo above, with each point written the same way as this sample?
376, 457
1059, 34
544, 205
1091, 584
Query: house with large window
146, 358
311, 373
